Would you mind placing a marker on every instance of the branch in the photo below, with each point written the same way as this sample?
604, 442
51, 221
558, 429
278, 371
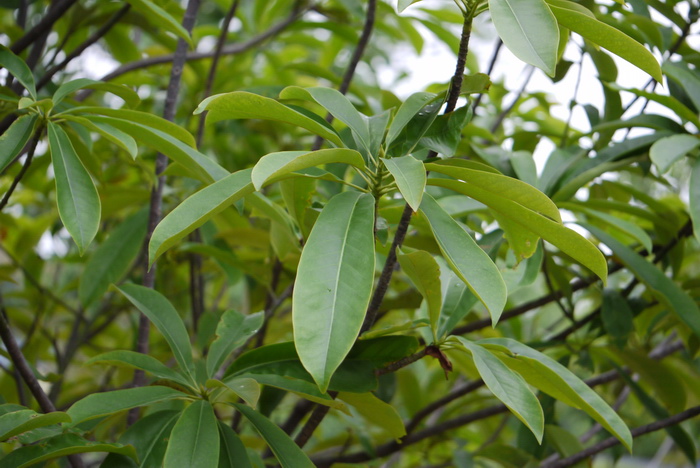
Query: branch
42, 26
23, 171
636, 432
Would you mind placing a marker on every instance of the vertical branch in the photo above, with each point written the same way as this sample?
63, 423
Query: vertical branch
157, 192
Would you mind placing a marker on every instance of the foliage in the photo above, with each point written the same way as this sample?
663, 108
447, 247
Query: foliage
332, 264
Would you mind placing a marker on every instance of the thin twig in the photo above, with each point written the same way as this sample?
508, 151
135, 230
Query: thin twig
42, 26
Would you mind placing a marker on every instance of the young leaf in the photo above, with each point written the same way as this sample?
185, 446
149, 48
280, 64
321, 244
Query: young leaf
660, 285
246, 388
666, 151
194, 441
424, 272
409, 174
567, 240
18, 422
609, 38
140, 361
112, 259
161, 18
274, 166
166, 319
232, 452
233, 329
78, 201
406, 112
529, 30
243, 105
377, 412
287, 452
60, 446
556, 380
18, 69
334, 283
15, 138
466, 258
197, 210
508, 387
97, 405
336, 104
445, 132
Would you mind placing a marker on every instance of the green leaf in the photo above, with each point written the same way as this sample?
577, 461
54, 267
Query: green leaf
567, 240
666, 151
243, 105
166, 319
529, 30
413, 123
275, 166
60, 446
18, 422
78, 201
231, 332
668, 292
17, 68
694, 197
609, 38
424, 272
114, 135
688, 79
232, 452
672, 103
112, 258
508, 387
194, 441
559, 382
247, 388
299, 387
403, 4
15, 138
377, 412
445, 132
337, 104
97, 405
197, 210
466, 258
130, 97
406, 112
140, 361
287, 452
334, 283
149, 436
409, 174
161, 18
457, 301
617, 316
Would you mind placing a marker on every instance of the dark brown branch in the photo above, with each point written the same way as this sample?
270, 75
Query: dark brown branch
96, 36
42, 26
636, 432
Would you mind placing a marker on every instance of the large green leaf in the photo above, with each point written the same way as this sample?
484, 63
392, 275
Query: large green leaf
112, 258
114, 135
672, 295
233, 329
529, 30
274, 166
567, 240
60, 446
166, 319
337, 104
466, 258
548, 375
140, 361
507, 386
160, 18
194, 441
149, 436
244, 105
232, 452
334, 284
18, 69
78, 201
287, 452
18, 422
687, 78
97, 405
15, 138
424, 272
409, 174
666, 151
197, 210
609, 38
129, 96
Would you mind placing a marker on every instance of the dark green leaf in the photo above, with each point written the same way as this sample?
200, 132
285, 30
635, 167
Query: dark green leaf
194, 441
140, 361
409, 174
18, 422
18, 69
232, 452
15, 138
233, 329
